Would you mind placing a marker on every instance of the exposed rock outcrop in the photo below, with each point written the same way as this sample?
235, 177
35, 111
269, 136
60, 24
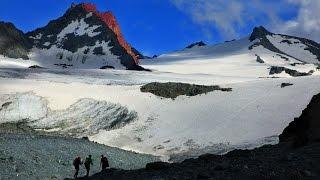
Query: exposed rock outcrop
306, 128
293, 73
283, 85
196, 44
259, 60
173, 90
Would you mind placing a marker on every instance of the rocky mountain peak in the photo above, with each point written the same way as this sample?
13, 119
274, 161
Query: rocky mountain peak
84, 36
258, 33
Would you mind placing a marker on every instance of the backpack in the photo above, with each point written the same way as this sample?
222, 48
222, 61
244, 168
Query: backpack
87, 162
105, 161
76, 161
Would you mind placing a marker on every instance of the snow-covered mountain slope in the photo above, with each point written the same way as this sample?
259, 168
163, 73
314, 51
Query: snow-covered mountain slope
252, 56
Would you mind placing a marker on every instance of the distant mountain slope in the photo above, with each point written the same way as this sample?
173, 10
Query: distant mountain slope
262, 54
13, 42
301, 49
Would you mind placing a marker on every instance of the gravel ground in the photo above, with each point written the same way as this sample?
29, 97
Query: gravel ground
26, 155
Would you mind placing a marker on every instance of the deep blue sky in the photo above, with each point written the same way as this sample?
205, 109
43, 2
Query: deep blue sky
152, 26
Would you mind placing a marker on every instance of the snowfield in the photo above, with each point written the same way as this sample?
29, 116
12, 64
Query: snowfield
108, 106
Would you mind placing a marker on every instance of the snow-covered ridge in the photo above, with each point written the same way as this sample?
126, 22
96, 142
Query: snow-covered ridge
227, 59
294, 47
252, 56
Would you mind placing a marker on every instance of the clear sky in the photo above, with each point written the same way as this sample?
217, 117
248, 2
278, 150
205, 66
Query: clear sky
159, 26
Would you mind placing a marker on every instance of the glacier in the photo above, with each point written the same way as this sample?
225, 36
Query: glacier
83, 118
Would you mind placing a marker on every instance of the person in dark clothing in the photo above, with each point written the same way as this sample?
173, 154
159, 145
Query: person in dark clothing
87, 164
104, 163
76, 163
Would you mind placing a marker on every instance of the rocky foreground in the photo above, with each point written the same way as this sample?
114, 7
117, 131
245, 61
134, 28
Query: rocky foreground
297, 156
27, 154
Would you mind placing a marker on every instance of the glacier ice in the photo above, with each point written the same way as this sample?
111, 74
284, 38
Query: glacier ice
18, 107
83, 118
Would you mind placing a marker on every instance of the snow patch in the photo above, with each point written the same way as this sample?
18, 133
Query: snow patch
54, 56
37, 37
46, 43
79, 28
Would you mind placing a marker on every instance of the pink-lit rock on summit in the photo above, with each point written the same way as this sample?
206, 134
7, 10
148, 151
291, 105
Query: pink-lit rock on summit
109, 19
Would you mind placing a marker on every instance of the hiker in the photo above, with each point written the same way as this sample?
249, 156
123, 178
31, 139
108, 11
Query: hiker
87, 164
76, 163
104, 163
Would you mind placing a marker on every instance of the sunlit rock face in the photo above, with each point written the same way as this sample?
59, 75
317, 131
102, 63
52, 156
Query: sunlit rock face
109, 19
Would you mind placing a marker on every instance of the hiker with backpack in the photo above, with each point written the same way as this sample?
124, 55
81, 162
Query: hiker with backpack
104, 163
87, 164
76, 163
